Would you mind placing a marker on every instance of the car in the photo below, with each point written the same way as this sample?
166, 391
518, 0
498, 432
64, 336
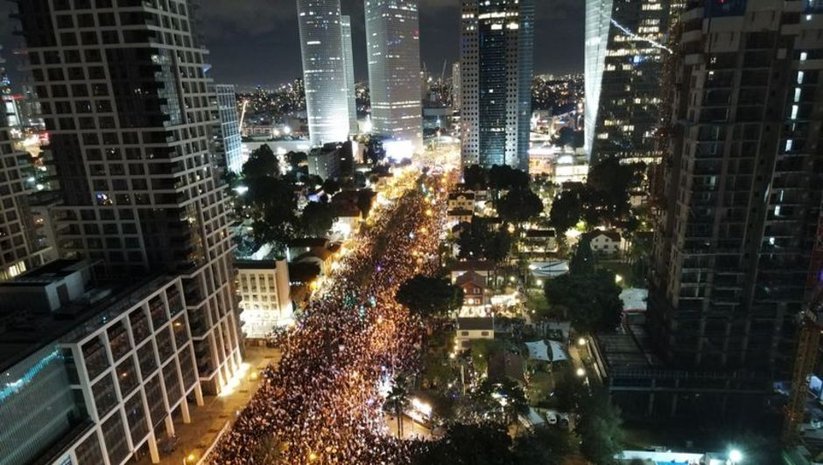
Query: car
551, 417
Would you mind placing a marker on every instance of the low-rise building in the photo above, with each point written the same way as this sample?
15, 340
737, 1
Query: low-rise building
460, 215
91, 374
484, 268
265, 302
470, 329
475, 289
461, 201
539, 242
324, 162
606, 242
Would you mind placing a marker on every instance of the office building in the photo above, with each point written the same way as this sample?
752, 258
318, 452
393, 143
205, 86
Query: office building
325, 161
457, 89
624, 52
324, 70
393, 52
92, 374
496, 57
348, 57
227, 139
265, 300
736, 247
128, 109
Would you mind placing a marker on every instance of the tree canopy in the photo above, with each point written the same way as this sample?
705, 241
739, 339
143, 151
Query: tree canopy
317, 218
270, 203
519, 205
478, 241
501, 400
543, 445
261, 163
599, 428
430, 297
470, 444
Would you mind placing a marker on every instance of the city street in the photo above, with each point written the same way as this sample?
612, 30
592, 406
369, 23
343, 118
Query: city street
322, 403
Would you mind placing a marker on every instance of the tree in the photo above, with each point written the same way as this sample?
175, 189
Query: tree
543, 445
317, 219
270, 204
519, 205
502, 400
330, 186
261, 163
472, 444
397, 400
591, 300
599, 428
566, 211
364, 201
296, 158
477, 241
474, 176
430, 297
582, 261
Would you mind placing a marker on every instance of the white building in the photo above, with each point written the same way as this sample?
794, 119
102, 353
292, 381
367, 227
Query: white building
496, 48
102, 371
457, 89
606, 242
461, 200
265, 303
228, 140
393, 50
348, 58
324, 70
470, 329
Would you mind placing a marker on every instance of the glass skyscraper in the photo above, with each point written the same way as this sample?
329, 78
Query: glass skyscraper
348, 58
393, 48
625, 47
496, 53
324, 70
228, 140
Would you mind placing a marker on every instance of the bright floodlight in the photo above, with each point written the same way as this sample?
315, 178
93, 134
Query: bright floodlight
581, 372
581, 341
735, 456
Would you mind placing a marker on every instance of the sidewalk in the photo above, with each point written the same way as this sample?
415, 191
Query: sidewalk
207, 421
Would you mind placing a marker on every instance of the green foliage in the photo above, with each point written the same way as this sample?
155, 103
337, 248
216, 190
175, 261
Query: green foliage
364, 201
616, 180
430, 297
330, 186
519, 205
504, 397
261, 163
582, 261
474, 177
543, 446
270, 203
317, 219
482, 350
478, 241
567, 210
296, 158
599, 428
470, 444
592, 300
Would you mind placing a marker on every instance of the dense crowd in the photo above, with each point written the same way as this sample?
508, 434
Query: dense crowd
323, 402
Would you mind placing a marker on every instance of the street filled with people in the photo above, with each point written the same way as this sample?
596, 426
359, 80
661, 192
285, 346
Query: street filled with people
323, 403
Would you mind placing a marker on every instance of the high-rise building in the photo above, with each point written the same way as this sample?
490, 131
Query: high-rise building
127, 104
324, 70
496, 60
228, 142
457, 89
348, 57
263, 288
393, 51
625, 47
735, 254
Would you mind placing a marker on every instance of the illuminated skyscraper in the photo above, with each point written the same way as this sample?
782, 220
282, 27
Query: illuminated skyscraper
348, 57
625, 45
129, 116
496, 58
324, 70
457, 90
393, 49
228, 142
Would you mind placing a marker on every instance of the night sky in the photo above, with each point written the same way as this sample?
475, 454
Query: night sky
255, 42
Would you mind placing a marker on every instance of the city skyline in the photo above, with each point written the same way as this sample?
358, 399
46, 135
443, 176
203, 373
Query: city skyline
270, 35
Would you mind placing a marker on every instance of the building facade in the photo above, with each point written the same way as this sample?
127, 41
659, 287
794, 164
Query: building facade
324, 70
624, 52
348, 57
263, 287
735, 247
228, 142
393, 51
496, 61
457, 88
107, 369
127, 104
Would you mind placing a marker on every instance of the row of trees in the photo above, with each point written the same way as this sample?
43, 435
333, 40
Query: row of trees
589, 296
603, 199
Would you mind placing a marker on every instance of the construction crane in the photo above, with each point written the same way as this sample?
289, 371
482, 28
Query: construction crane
243, 114
808, 343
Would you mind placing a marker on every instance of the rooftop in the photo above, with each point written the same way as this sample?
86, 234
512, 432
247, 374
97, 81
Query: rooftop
469, 324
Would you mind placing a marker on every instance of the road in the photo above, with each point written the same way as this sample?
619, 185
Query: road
323, 404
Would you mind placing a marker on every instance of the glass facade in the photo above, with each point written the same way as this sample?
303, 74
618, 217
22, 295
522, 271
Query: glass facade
37, 406
324, 70
348, 58
393, 52
230, 141
496, 69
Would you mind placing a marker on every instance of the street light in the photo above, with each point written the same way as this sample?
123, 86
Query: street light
581, 372
735, 456
581, 341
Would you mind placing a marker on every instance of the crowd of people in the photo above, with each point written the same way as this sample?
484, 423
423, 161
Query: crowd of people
323, 402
